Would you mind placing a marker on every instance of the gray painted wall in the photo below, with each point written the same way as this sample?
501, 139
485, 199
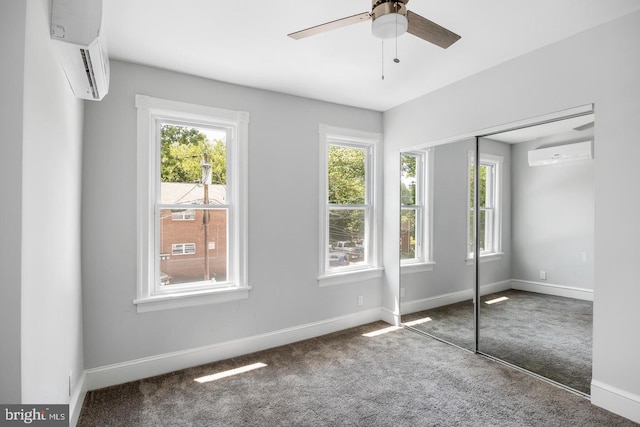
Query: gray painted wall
283, 220
598, 66
51, 286
12, 44
553, 218
41, 309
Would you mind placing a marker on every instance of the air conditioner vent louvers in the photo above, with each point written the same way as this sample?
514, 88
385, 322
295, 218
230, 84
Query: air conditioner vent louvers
88, 68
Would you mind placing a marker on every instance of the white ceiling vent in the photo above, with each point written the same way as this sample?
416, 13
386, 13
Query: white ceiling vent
561, 154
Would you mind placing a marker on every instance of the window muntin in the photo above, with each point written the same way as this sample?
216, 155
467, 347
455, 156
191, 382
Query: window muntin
349, 232
489, 185
191, 188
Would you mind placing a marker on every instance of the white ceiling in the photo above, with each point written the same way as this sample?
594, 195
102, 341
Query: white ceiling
244, 42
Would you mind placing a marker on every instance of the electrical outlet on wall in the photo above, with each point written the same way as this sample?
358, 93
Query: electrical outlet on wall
360, 300
543, 275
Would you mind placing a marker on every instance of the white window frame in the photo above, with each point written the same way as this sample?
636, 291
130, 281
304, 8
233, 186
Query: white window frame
372, 143
494, 195
423, 260
151, 295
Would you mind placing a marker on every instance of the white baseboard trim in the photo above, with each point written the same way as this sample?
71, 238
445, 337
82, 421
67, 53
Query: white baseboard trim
407, 307
389, 316
615, 400
133, 370
551, 289
77, 399
492, 288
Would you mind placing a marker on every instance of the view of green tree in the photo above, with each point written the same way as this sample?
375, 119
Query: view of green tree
483, 184
183, 148
408, 172
346, 175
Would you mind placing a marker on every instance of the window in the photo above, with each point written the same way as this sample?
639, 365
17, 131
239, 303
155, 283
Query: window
350, 226
182, 249
416, 208
489, 187
192, 188
183, 215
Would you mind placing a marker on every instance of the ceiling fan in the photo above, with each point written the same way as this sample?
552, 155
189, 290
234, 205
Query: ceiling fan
390, 19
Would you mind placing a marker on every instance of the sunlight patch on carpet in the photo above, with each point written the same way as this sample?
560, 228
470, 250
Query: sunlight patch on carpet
230, 373
381, 331
418, 321
493, 301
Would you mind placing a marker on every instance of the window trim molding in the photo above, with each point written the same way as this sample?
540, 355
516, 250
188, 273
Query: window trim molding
338, 135
149, 111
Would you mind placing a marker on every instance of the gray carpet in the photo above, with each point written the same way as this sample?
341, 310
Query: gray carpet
545, 334
345, 379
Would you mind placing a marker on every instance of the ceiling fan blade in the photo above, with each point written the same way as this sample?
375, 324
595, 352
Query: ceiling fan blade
430, 31
365, 16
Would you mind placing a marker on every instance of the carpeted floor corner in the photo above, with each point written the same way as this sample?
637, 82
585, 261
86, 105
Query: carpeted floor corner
399, 378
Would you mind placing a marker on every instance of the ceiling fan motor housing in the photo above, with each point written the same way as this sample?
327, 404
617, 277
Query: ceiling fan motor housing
389, 18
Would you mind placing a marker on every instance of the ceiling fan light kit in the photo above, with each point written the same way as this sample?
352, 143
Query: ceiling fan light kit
389, 19
389, 26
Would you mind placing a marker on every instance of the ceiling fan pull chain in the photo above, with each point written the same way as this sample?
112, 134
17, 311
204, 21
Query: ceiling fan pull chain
382, 56
396, 60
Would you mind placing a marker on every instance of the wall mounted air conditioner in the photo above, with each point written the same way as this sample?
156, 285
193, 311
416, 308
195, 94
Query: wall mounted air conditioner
561, 154
76, 28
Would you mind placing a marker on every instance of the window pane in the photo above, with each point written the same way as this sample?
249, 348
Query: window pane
190, 157
184, 255
408, 179
483, 185
408, 234
482, 232
346, 236
346, 175
471, 238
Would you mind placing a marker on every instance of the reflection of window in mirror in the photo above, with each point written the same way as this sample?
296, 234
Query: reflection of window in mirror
415, 217
489, 224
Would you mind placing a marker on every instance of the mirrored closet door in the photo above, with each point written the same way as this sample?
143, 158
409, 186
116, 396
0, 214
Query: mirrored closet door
437, 278
507, 216
536, 249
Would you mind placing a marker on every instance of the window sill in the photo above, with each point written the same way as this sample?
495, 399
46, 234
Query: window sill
350, 276
191, 299
417, 267
496, 256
